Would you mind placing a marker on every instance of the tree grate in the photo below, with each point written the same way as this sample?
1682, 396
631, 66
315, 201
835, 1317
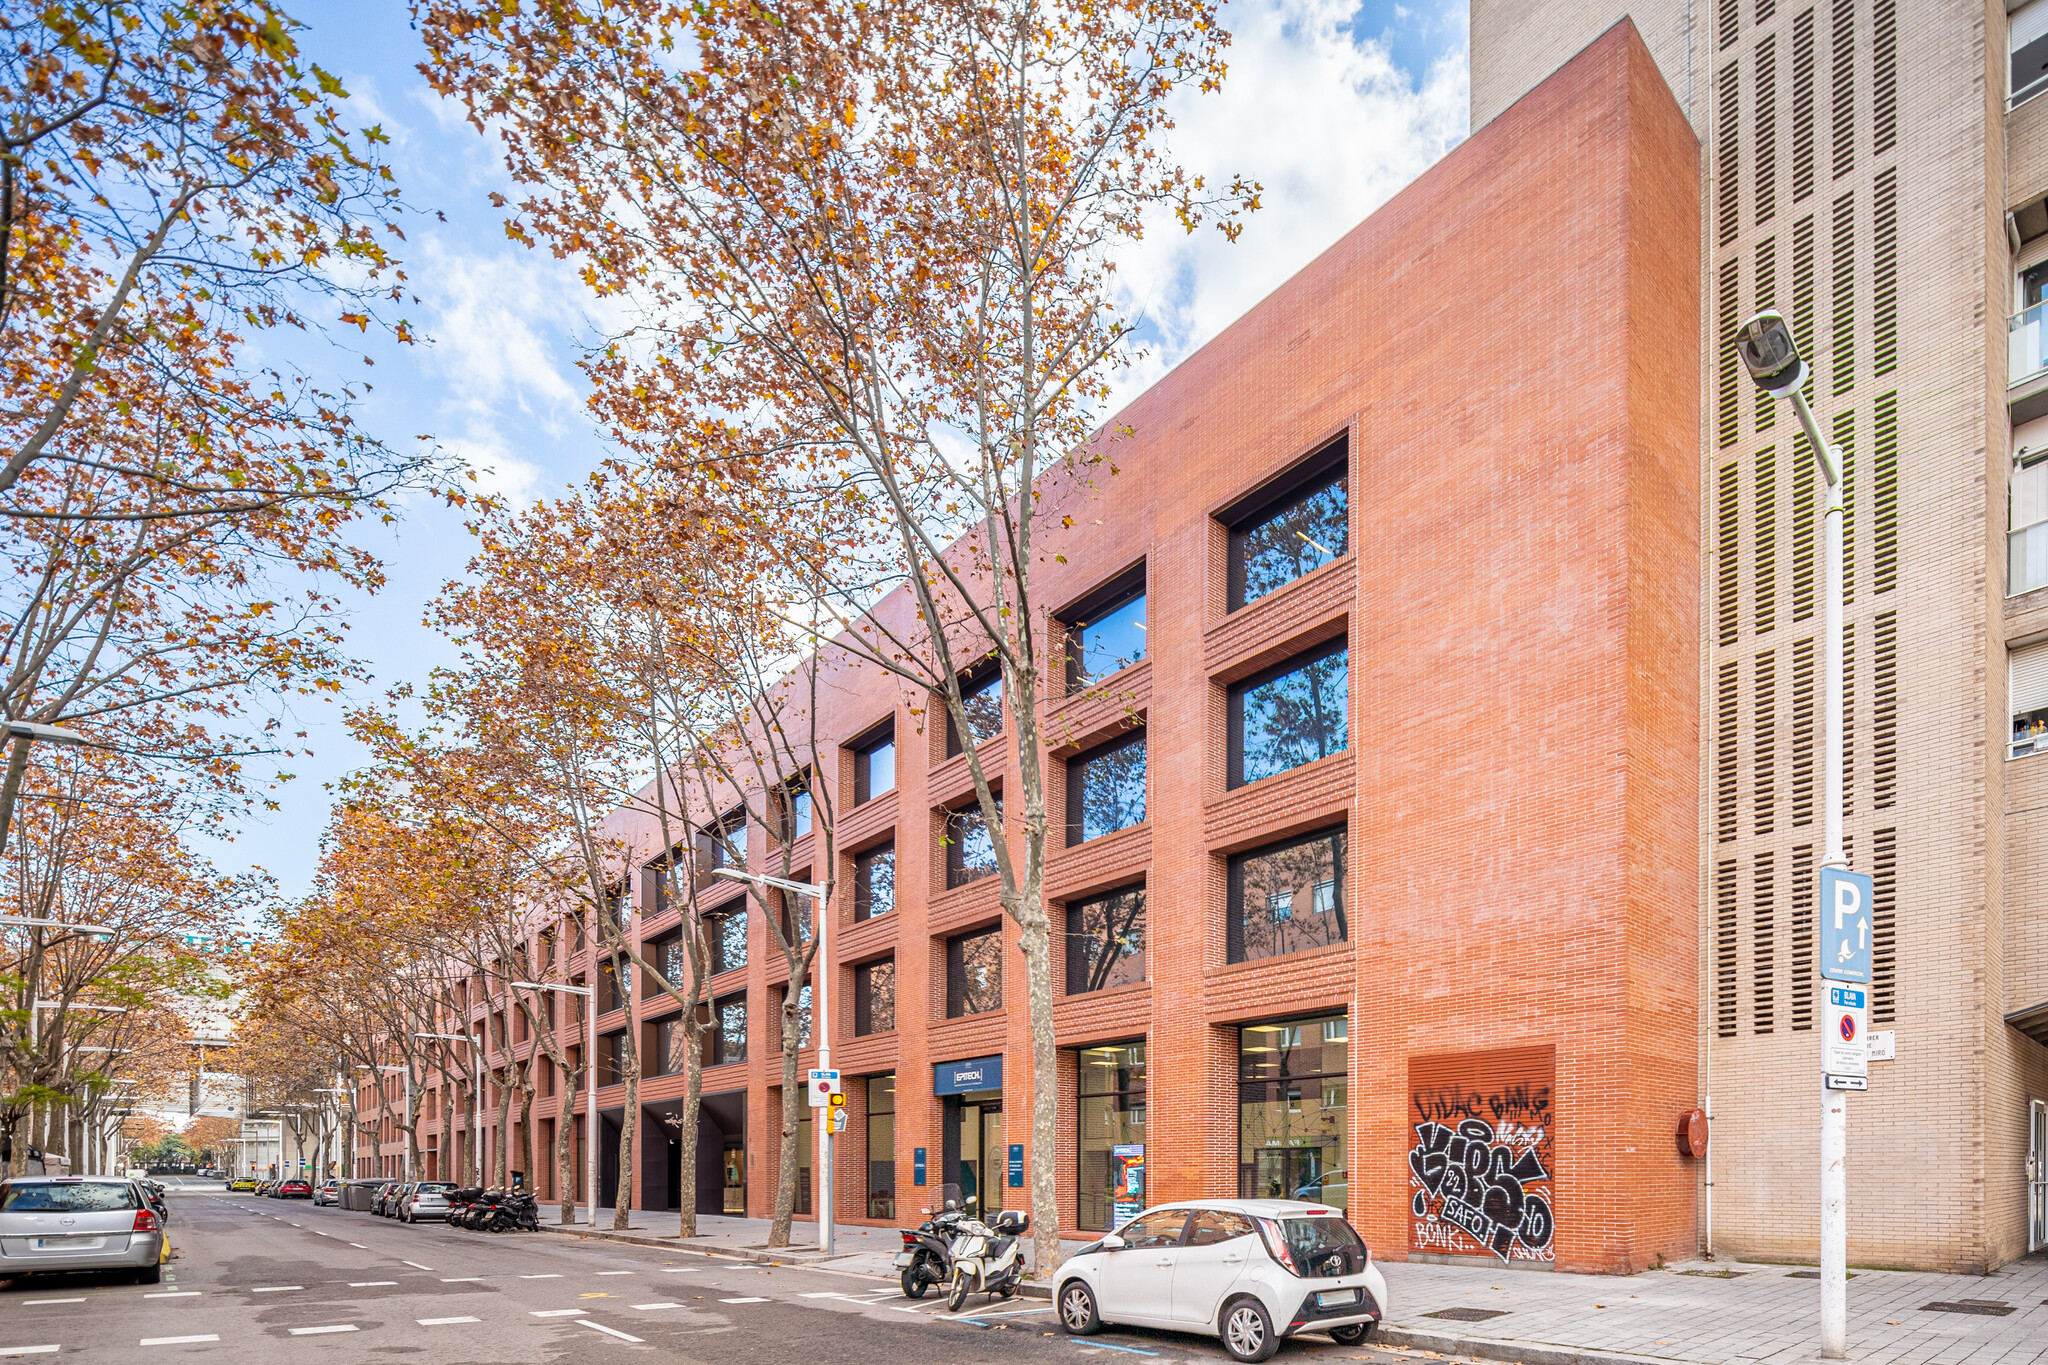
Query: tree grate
1990, 1308
1468, 1314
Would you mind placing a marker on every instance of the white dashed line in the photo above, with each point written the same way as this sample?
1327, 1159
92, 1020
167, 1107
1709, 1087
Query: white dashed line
540, 1277
743, 1300
466, 1279
679, 1269
358, 1246
28, 1350
416, 1265
25, 1303
445, 1322
556, 1313
174, 1294
614, 1272
177, 1341
650, 1307
824, 1294
370, 1284
609, 1331
323, 1331
277, 1289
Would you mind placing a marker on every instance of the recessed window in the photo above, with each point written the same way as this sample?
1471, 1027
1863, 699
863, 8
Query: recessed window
725, 936
1292, 1114
874, 763
803, 1014
974, 973
1290, 715
874, 882
726, 1040
1294, 525
1106, 941
1111, 1102
882, 1146
970, 849
796, 804
721, 845
1287, 898
874, 997
671, 1042
2027, 41
2028, 692
612, 1059
981, 697
1105, 630
614, 985
1106, 789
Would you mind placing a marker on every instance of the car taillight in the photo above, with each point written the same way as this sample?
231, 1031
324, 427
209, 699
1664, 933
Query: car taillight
1276, 1245
145, 1221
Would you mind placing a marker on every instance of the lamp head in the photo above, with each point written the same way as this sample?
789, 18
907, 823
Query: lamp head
48, 734
1769, 353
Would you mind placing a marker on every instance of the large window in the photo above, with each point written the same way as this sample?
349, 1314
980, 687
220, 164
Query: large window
881, 1146
796, 805
874, 882
974, 973
725, 936
2028, 693
970, 849
874, 997
1110, 1082
1287, 898
1298, 523
2027, 42
726, 1040
1106, 941
2026, 538
614, 985
1106, 630
721, 845
612, 1059
1290, 715
1106, 789
671, 1046
1291, 1107
981, 696
874, 763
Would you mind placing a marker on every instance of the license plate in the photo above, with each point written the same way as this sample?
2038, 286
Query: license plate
1330, 1298
902, 1258
70, 1243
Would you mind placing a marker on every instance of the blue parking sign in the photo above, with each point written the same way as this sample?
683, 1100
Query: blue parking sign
1844, 925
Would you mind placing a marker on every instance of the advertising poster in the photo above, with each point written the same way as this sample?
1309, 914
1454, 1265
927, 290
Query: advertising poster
1127, 1177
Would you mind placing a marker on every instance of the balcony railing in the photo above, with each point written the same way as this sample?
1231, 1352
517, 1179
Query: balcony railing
2025, 356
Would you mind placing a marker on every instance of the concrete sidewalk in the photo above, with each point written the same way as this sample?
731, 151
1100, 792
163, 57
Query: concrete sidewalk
1695, 1313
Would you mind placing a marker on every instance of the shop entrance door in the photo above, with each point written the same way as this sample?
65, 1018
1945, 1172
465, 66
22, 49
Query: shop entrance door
2037, 1175
735, 1178
974, 1149
1287, 1173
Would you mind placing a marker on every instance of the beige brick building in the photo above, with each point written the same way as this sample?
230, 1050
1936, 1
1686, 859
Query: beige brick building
1878, 171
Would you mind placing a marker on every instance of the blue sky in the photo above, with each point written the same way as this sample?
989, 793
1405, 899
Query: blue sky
1332, 106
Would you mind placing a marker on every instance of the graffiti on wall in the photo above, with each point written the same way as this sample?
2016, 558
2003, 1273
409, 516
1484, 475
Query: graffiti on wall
1480, 1169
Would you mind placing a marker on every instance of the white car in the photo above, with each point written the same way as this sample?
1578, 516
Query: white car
1250, 1271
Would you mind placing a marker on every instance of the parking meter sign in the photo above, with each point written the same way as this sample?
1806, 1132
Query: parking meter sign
1844, 925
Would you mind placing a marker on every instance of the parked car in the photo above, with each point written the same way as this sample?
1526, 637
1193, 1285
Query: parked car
426, 1200
295, 1189
241, 1183
327, 1193
1250, 1271
383, 1203
50, 1224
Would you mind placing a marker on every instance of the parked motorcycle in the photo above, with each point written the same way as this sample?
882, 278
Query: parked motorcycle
518, 1212
463, 1204
988, 1260
926, 1258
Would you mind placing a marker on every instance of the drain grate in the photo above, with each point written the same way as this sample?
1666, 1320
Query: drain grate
1990, 1308
1811, 1275
1716, 1274
1468, 1314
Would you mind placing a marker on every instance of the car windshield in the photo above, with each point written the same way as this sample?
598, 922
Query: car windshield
435, 1187
68, 1198
1324, 1246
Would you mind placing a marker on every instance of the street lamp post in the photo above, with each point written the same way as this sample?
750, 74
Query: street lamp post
336, 1090
1772, 358
821, 1022
476, 1052
406, 1154
25, 733
590, 1084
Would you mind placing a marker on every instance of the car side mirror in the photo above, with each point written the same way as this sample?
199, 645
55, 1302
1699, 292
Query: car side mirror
1114, 1243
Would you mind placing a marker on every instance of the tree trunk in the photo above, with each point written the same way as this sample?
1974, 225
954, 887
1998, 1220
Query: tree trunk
785, 1184
501, 1150
526, 1127
565, 1146
629, 1129
693, 1092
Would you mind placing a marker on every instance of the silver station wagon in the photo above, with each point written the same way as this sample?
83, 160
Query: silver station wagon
51, 1224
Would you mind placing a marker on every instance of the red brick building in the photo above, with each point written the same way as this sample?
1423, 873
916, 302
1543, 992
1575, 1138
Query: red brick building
1411, 555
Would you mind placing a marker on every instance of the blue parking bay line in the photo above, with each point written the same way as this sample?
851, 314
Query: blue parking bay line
1108, 1346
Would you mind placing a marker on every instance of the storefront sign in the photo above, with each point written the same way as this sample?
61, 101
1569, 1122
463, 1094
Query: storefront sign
1481, 1165
957, 1078
917, 1167
1127, 1178
1016, 1165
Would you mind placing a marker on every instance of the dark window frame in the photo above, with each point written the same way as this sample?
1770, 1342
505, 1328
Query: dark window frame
710, 843
863, 892
956, 864
864, 1000
1076, 794
1075, 961
715, 921
1234, 908
956, 972
864, 749
1234, 705
973, 682
1327, 467
1112, 596
717, 1049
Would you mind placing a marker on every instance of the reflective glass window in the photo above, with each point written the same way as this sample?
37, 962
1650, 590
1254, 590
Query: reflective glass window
1106, 789
1106, 941
1287, 898
1289, 716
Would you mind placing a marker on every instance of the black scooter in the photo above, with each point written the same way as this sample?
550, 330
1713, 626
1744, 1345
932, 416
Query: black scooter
927, 1257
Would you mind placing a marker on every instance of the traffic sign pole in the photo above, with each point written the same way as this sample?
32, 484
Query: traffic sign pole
1834, 1121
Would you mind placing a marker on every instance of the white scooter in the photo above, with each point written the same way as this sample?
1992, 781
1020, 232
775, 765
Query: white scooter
988, 1260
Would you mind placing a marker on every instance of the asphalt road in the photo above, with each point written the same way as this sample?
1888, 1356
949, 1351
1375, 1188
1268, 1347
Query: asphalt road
252, 1275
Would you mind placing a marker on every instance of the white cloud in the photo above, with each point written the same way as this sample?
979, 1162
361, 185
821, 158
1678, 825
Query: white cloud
498, 470
1327, 123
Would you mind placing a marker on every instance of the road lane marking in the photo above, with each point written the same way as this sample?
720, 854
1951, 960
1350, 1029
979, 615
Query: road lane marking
614, 1272
177, 1341
277, 1289
466, 1279
358, 1246
445, 1322
27, 1302
416, 1265
318, 1233
174, 1294
743, 1300
1107, 1346
555, 1313
679, 1269
650, 1307
540, 1277
609, 1331
322, 1331
370, 1284
28, 1350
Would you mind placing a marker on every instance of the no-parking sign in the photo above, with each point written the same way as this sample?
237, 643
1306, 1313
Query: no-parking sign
1845, 1043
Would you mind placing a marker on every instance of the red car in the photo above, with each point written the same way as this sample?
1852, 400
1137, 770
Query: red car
295, 1189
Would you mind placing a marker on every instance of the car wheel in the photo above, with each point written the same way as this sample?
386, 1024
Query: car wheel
1352, 1335
151, 1274
958, 1294
1077, 1310
1247, 1331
